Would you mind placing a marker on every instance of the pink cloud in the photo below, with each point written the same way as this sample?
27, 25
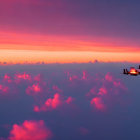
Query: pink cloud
36, 109
22, 76
7, 78
50, 104
53, 103
37, 78
98, 103
106, 91
109, 77
3, 89
84, 77
69, 100
102, 91
76, 76
34, 89
115, 81
30, 130
73, 77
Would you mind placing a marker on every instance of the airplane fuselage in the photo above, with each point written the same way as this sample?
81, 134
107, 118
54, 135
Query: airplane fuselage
133, 71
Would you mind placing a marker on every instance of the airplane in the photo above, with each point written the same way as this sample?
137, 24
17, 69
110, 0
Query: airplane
133, 71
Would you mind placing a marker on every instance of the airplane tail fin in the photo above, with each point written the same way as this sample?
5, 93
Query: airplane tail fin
125, 71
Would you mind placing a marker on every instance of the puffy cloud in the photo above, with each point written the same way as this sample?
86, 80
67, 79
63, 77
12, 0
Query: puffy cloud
85, 74
101, 89
79, 76
73, 77
37, 78
3, 89
34, 89
7, 78
109, 77
36, 109
69, 100
22, 76
13, 83
30, 130
106, 91
98, 103
54, 103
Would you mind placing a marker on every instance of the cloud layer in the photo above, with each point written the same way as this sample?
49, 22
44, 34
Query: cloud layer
68, 99
35, 130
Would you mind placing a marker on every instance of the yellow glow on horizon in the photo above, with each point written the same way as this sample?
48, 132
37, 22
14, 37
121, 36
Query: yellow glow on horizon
28, 56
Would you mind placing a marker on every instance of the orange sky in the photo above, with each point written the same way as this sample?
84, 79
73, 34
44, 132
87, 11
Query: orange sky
28, 56
32, 48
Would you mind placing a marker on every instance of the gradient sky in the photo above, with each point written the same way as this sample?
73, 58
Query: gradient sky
66, 26
83, 95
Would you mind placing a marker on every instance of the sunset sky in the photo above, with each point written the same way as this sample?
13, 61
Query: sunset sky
66, 69
68, 31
